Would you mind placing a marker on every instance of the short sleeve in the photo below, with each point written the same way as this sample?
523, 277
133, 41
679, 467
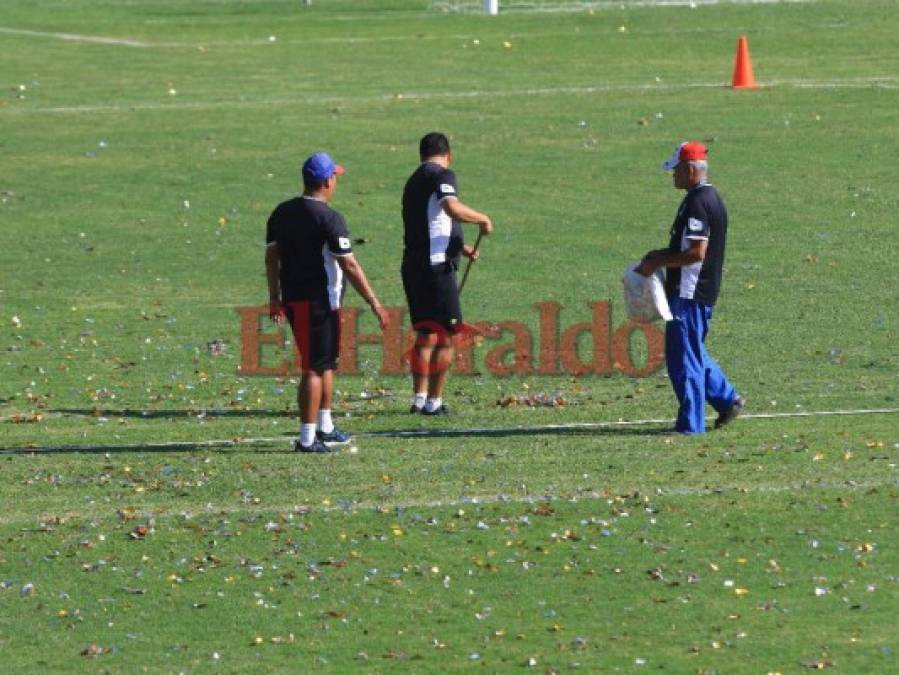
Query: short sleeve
446, 185
273, 228
697, 221
338, 235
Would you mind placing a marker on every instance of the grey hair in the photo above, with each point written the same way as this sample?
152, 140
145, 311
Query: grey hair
701, 165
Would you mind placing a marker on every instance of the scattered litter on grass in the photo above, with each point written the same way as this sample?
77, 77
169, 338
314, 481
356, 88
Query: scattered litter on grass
139, 532
216, 347
94, 650
817, 664
26, 418
371, 394
535, 400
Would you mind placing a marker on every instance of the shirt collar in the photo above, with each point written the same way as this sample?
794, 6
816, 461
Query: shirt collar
700, 184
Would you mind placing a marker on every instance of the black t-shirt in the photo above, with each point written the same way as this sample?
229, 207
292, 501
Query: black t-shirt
431, 236
309, 234
701, 215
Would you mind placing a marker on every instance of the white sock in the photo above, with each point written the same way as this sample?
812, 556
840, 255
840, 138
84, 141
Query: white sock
307, 434
419, 400
325, 423
432, 404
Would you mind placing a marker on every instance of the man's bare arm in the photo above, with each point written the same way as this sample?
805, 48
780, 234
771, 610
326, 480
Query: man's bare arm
273, 276
458, 211
665, 258
356, 275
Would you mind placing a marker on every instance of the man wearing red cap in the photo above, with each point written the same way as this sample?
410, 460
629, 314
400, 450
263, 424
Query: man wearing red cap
694, 260
307, 254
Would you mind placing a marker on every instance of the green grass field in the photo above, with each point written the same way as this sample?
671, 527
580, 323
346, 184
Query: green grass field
144, 145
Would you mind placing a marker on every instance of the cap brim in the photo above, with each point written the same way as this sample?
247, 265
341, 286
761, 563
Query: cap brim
674, 160
670, 164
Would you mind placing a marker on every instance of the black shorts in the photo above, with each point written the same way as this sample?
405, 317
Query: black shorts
316, 333
433, 297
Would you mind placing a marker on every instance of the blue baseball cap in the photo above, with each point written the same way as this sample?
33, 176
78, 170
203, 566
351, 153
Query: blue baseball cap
320, 167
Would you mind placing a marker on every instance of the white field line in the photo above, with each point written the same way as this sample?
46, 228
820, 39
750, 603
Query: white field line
425, 433
657, 490
587, 426
507, 6
510, 6
390, 507
877, 82
74, 37
483, 37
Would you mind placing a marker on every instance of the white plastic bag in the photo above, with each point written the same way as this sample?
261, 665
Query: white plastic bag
644, 297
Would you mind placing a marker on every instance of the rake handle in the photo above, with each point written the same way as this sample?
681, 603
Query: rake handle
470, 261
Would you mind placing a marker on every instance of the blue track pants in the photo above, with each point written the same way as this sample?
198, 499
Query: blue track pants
695, 376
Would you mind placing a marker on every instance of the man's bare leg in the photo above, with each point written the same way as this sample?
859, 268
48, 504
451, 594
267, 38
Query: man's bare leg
309, 399
441, 360
439, 366
421, 368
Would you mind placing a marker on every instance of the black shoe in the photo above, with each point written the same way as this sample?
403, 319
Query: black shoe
442, 410
334, 437
731, 413
316, 447
414, 409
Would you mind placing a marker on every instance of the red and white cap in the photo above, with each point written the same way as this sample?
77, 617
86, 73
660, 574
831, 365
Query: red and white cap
686, 152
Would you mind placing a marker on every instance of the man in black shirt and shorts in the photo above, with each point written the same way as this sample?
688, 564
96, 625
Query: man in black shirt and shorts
694, 260
433, 244
307, 254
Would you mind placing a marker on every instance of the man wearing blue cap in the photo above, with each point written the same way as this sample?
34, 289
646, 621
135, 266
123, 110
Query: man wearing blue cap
308, 252
694, 260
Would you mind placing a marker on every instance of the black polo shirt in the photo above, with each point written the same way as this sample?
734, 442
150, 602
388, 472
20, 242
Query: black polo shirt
309, 234
701, 215
430, 235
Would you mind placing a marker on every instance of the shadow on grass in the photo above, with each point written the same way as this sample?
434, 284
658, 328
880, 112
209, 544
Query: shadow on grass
170, 414
138, 413
587, 429
282, 444
173, 446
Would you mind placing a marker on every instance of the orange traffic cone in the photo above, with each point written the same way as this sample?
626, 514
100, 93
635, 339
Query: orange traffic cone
743, 77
